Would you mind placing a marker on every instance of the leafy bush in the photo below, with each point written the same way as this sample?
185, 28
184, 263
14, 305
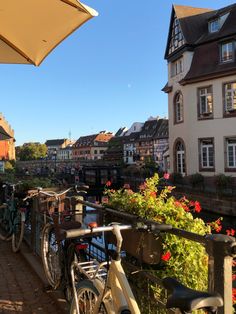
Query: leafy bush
9, 167
33, 183
161, 207
222, 181
196, 179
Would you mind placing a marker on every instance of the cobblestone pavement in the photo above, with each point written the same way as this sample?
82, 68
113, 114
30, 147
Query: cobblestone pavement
21, 290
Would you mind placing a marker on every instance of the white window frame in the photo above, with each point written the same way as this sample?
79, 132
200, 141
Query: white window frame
214, 26
178, 107
232, 146
207, 148
228, 54
177, 67
180, 158
230, 96
205, 99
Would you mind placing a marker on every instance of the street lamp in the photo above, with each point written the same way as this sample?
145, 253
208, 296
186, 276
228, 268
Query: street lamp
55, 159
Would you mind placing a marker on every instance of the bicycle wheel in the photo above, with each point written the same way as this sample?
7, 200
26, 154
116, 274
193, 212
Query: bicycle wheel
18, 230
87, 295
50, 252
72, 255
5, 224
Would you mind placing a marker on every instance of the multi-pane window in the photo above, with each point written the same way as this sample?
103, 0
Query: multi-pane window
230, 97
214, 26
227, 52
178, 107
177, 67
207, 153
231, 152
177, 39
205, 101
180, 158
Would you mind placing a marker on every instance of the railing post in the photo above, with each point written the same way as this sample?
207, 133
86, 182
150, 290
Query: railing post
221, 250
33, 224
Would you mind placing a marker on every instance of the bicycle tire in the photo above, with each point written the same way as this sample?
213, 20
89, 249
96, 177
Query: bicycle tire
51, 256
87, 295
5, 227
72, 255
18, 231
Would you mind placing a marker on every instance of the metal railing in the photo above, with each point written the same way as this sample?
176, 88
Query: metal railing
221, 249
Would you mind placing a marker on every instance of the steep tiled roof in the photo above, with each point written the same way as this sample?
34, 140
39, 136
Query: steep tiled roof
3, 134
162, 129
85, 141
206, 58
56, 142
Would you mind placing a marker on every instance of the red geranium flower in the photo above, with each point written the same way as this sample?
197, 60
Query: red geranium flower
165, 257
197, 207
108, 183
153, 194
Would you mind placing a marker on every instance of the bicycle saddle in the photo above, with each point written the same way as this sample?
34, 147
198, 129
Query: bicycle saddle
187, 299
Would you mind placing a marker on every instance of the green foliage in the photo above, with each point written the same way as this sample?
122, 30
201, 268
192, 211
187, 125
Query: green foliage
196, 179
9, 167
31, 151
33, 183
222, 181
185, 260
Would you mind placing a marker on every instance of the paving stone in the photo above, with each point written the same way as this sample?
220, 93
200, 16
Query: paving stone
21, 290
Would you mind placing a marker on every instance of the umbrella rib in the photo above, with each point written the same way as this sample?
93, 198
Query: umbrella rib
74, 5
16, 49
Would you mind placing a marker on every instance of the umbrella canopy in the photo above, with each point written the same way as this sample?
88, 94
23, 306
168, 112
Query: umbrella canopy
31, 29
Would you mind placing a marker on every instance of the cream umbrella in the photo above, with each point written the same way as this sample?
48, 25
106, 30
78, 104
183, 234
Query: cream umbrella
31, 29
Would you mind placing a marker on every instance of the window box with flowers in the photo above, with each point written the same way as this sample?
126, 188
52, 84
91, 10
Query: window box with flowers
160, 206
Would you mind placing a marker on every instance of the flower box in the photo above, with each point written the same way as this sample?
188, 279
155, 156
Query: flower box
144, 246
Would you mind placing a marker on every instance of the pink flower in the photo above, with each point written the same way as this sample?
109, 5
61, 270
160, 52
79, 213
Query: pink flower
165, 257
166, 176
108, 183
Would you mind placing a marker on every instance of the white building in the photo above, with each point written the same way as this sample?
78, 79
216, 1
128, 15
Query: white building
202, 90
129, 142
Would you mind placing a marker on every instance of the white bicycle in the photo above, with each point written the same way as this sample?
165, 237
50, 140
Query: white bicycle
104, 289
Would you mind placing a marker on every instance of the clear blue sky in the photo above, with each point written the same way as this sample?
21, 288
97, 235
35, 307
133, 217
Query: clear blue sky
108, 74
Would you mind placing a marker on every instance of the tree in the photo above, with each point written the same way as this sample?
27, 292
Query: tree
31, 151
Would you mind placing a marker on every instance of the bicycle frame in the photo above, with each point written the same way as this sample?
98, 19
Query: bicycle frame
116, 292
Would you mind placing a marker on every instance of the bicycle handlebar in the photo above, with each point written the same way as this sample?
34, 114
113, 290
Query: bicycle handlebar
154, 228
78, 189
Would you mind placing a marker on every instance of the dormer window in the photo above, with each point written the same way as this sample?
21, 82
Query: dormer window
214, 26
227, 52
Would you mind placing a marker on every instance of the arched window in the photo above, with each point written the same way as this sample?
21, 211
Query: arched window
180, 157
178, 108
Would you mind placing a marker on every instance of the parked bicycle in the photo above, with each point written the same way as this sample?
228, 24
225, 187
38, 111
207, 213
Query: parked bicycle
57, 255
13, 214
104, 288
